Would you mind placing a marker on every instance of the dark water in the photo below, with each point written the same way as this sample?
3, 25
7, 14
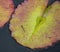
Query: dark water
8, 44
